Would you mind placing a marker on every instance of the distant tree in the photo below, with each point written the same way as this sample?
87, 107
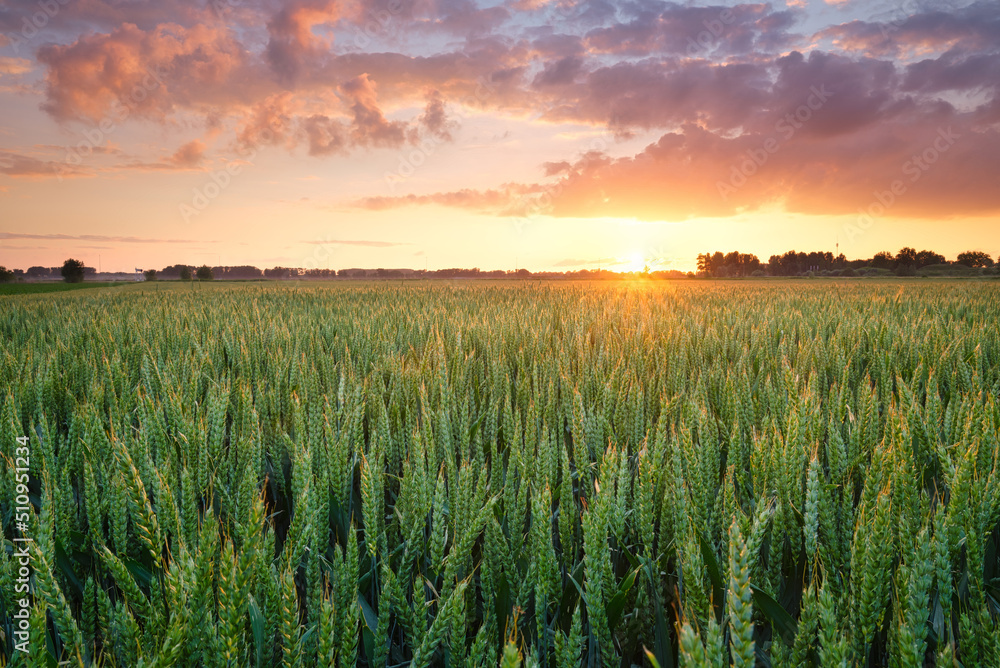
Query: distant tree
927, 258
204, 273
242, 272
150, 274
907, 257
38, 272
705, 263
6, 275
278, 272
72, 271
975, 259
883, 260
790, 264
185, 273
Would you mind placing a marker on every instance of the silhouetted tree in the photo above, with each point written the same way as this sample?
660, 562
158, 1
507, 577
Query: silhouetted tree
38, 272
6, 275
907, 256
204, 273
883, 260
927, 258
185, 273
150, 274
72, 271
975, 259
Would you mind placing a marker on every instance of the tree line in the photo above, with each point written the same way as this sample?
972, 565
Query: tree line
907, 262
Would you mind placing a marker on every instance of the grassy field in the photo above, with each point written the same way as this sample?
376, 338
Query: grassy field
471, 474
49, 287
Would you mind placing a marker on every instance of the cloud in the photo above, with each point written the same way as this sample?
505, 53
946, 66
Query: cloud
132, 72
707, 84
975, 27
696, 32
369, 126
944, 167
95, 238
18, 165
326, 136
292, 42
435, 118
189, 155
575, 262
268, 122
15, 66
359, 242
560, 72
500, 200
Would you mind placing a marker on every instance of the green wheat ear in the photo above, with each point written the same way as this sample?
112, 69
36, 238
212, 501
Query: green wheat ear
498, 474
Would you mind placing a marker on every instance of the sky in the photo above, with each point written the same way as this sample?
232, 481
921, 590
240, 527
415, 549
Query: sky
544, 134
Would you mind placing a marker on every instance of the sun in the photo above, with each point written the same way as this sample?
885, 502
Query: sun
635, 263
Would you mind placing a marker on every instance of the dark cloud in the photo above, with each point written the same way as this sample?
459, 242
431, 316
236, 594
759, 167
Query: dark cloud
292, 41
697, 32
969, 29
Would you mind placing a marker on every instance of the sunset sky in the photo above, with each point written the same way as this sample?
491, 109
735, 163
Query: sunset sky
547, 134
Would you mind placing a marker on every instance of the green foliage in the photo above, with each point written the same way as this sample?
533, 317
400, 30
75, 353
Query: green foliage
72, 271
382, 475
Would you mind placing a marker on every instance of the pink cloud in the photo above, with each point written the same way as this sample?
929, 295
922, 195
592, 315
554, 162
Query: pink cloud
191, 154
292, 42
369, 126
142, 73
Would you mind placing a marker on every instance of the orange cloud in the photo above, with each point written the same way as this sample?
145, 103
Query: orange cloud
141, 73
189, 155
370, 127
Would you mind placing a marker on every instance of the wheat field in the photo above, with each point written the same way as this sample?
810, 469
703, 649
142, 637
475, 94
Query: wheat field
794, 473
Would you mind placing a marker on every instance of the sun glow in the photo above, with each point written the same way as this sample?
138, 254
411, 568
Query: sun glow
635, 263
